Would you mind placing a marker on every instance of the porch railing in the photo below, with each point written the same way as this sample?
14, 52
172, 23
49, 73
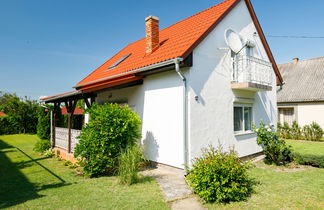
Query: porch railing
61, 137
251, 69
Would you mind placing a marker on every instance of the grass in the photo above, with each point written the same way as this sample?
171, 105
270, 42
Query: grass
30, 181
307, 147
285, 188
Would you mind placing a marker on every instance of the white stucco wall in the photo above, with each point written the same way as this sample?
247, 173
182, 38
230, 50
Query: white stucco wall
211, 117
306, 113
309, 112
159, 103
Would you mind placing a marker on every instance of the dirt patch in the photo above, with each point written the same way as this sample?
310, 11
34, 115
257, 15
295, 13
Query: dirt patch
292, 168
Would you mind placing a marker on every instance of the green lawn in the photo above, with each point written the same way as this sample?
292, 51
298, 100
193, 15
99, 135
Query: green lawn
29, 181
284, 188
307, 147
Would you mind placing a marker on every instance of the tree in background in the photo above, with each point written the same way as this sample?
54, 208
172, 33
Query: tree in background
21, 114
44, 123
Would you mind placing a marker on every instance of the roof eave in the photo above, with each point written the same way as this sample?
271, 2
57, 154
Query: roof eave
142, 69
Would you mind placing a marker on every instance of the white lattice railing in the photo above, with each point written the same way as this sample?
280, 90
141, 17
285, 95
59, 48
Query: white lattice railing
61, 137
74, 134
251, 69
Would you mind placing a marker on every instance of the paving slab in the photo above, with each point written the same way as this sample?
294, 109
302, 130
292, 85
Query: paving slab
175, 189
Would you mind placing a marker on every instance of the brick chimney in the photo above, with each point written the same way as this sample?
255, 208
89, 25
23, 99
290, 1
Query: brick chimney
152, 33
295, 60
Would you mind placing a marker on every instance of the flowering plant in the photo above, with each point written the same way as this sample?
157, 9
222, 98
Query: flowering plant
275, 150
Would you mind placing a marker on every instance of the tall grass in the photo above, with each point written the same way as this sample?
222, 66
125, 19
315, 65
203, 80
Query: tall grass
129, 161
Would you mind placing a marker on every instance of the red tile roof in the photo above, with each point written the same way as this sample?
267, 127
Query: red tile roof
76, 111
177, 40
2, 114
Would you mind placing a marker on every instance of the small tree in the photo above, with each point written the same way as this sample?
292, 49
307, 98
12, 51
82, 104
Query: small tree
110, 130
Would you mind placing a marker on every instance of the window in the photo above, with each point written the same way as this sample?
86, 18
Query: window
119, 61
242, 118
286, 115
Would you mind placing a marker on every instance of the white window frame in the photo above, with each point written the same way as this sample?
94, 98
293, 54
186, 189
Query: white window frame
243, 131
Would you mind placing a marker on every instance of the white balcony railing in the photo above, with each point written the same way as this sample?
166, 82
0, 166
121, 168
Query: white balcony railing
248, 69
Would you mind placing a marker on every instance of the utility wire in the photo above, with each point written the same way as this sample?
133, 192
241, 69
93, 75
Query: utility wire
296, 37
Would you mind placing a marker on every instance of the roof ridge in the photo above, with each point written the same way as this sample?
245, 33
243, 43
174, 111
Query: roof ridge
143, 38
302, 60
216, 5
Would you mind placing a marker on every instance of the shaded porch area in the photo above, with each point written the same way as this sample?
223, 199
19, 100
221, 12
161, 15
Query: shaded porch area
67, 121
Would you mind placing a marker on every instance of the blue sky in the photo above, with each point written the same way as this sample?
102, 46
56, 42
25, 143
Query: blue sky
47, 46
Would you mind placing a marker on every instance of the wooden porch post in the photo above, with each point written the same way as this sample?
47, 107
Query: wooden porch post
56, 107
70, 107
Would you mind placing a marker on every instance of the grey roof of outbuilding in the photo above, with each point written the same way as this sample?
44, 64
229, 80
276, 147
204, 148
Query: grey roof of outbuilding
303, 81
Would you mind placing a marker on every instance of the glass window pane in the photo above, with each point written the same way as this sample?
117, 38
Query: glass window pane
238, 118
248, 118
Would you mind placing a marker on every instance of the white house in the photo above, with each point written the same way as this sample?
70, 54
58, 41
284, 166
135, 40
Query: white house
302, 96
188, 87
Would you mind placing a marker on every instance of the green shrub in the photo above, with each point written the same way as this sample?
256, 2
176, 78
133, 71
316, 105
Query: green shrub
280, 130
295, 131
110, 130
275, 150
312, 160
48, 153
312, 132
286, 131
44, 123
219, 176
6, 125
21, 113
42, 145
129, 161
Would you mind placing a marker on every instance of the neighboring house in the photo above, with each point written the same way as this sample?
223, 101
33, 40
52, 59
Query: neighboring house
188, 88
301, 98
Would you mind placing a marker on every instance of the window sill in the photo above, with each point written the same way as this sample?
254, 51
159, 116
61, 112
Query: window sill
244, 133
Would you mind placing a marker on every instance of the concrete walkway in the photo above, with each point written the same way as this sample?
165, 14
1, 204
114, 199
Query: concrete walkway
174, 187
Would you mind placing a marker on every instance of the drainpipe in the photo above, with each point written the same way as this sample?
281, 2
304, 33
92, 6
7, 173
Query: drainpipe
185, 101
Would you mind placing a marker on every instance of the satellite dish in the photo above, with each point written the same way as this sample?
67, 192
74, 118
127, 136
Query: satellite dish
233, 40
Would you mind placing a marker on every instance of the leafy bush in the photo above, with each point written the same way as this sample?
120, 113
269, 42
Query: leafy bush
44, 123
295, 131
6, 125
286, 131
42, 145
110, 130
21, 114
313, 160
312, 132
48, 153
275, 150
219, 176
129, 162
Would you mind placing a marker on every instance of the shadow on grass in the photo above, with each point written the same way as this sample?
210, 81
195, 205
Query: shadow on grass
143, 179
15, 188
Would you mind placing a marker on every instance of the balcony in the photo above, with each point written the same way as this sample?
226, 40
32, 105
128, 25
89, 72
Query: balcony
250, 73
